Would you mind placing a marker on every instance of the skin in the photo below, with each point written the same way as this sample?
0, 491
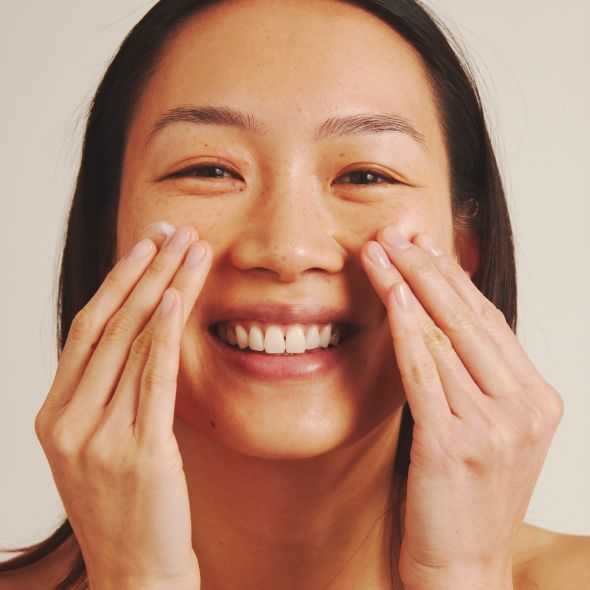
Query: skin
284, 230
280, 225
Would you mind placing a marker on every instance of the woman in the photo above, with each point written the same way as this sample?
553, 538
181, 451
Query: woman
289, 262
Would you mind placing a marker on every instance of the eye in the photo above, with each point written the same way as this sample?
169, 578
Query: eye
362, 177
366, 177
203, 171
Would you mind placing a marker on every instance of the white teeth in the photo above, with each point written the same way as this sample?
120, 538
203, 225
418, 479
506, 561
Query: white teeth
241, 336
256, 339
325, 336
274, 341
231, 335
295, 339
312, 340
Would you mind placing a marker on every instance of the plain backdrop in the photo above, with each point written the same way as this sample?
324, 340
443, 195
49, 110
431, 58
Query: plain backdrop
532, 62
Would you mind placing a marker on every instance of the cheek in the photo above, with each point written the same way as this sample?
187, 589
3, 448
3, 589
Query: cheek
137, 211
412, 211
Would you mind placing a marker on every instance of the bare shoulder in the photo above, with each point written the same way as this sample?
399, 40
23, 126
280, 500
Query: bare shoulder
546, 560
43, 574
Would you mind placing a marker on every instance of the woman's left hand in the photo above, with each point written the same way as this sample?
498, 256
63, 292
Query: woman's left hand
483, 418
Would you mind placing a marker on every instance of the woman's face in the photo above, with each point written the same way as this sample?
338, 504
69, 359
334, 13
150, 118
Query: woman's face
283, 200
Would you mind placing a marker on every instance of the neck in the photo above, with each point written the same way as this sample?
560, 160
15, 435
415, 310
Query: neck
318, 523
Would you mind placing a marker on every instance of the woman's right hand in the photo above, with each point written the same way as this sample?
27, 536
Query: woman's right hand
106, 424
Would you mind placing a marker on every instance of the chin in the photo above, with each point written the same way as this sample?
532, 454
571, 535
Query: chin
288, 420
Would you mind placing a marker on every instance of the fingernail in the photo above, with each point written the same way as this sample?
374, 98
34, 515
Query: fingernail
394, 238
157, 228
195, 253
168, 302
177, 240
402, 296
141, 250
431, 245
378, 255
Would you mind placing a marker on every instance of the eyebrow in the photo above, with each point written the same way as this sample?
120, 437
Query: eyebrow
342, 126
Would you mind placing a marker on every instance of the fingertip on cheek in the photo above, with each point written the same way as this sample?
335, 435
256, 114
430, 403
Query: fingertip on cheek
377, 255
429, 244
158, 231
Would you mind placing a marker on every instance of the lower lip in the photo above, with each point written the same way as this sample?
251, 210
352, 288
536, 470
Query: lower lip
272, 367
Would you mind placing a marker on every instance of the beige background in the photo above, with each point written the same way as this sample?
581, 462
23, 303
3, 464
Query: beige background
534, 64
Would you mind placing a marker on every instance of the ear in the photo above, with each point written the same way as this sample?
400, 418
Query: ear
468, 251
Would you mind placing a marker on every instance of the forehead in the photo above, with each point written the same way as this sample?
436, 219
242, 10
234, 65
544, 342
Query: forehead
293, 63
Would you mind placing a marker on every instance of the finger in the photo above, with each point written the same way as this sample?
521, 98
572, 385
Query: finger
417, 368
469, 338
463, 397
489, 315
158, 381
106, 365
88, 324
126, 401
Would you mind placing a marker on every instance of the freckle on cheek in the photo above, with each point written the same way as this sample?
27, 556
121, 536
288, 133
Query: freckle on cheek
212, 423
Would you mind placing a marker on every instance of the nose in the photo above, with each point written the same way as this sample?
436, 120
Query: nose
289, 232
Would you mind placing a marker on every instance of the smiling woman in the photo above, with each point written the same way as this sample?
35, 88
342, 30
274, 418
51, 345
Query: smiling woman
286, 319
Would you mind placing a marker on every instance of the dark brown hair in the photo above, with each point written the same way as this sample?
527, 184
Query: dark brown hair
478, 200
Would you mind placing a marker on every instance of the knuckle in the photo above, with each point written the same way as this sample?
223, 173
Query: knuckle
491, 315
478, 450
420, 267
551, 401
162, 338
42, 424
120, 325
63, 442
98, 455
157, 267
116, 276
460, 317
534, 426
555, 407
422, 372
83, 325
434, 337
155, 378
453, 269
141, 345
461, 449
497, 441
541, 417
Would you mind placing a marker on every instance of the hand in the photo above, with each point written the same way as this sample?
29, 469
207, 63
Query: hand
483, 418
106, 424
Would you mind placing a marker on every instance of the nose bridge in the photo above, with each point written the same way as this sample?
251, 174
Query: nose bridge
292, 205
290, 229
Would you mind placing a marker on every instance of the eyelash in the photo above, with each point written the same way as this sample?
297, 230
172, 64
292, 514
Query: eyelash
187, 172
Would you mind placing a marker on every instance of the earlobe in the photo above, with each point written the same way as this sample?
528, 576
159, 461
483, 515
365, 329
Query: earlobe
468, 251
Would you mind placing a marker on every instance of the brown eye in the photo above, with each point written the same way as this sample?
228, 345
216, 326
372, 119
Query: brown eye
366, 177
203, 171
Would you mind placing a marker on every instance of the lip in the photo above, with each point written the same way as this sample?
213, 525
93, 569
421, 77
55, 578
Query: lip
281, 313
275, 367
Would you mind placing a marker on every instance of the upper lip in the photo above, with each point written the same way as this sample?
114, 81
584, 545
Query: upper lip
282, 313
